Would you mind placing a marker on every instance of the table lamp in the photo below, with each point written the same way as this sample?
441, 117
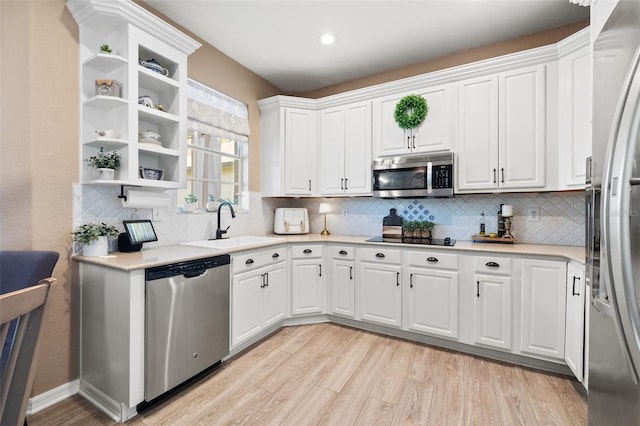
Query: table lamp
324, 209
507, 213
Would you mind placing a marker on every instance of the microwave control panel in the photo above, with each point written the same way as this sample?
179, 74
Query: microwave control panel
442, 176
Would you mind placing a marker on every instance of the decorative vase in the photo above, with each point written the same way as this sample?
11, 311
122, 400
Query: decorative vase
106, 174
212, 206
99, 247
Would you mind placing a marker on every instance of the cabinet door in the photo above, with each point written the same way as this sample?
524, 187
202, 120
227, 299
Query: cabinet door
437, 132
522, 133
343, 288
357, 162
477, 159
574, 338
574, 116
492, 311
543, 307
306, 286
332, 151
300, 153
433, 302
389, 139
246, 306
274, 294
380, 294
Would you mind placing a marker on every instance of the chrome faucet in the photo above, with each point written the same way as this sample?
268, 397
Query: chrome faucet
219, 231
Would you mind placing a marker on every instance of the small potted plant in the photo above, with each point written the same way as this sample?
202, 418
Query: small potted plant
212, 204
425, 228
190, 203
105, 49
409, 229
106, 163
94, 238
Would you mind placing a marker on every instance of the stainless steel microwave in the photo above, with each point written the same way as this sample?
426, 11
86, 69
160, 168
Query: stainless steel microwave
425, 175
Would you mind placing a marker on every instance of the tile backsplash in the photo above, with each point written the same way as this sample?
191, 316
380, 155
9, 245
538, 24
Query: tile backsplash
561, 215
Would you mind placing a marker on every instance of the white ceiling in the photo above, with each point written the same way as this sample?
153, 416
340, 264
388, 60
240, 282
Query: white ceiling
278, 40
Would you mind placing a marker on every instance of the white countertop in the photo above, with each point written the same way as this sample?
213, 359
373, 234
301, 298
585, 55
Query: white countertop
166, 255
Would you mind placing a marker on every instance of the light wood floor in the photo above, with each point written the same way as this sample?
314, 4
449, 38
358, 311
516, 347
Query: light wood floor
328, 374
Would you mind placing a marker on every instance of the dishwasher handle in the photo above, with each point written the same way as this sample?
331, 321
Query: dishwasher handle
193, 274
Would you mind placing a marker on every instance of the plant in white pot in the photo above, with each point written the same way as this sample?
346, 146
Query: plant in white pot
94, 238
106, 163
190, 203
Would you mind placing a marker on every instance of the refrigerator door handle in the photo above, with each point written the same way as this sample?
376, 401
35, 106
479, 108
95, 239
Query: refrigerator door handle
617, 253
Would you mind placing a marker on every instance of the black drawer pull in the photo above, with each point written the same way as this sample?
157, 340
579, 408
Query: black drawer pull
319, 270
573, 291
432, 259
492, 265
248, 262
477, 288
275, 255
343, 252
397, 279
306, 251
379, 254
350, 272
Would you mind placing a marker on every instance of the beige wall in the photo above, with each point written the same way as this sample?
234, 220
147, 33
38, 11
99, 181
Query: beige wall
467, 56
39, 143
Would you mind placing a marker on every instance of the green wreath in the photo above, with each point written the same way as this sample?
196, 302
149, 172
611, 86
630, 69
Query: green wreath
418, 107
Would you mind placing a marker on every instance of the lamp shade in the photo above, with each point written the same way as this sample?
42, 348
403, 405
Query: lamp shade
507, 210
324, 208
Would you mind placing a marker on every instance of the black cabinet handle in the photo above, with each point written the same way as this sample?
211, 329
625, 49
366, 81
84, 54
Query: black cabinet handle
267, 277
502, 175
350, 272
432, 259
492, 265
306, 251
319, 270
381, 255
477, 288
573, 291
410, 280
414, 141
397, 279
248, 262
343, 252
408, 142
342, 183
345, 184
263, 282
309, 184
275, 255
494, 175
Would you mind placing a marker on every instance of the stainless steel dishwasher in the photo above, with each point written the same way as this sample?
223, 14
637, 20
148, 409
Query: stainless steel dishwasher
187, 321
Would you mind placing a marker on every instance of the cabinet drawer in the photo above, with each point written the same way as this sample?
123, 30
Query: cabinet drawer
435, 259
306, 251
493, 265
338, 252
252, 260
380, 255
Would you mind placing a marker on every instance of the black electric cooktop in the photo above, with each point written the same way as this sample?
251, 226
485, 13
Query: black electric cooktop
418, 241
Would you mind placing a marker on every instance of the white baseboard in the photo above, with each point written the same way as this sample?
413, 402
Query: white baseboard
117, 411
53, 396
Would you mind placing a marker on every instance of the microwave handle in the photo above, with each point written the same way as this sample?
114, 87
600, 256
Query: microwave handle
429, 177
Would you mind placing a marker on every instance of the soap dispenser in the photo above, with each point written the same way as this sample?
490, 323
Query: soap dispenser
483, 225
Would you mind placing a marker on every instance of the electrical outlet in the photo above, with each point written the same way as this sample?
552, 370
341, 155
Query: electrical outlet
345, 212
157, 215
533, 214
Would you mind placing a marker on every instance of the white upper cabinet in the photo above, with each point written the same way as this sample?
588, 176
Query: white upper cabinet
288, 147
436, 133
148, 59
502, 131
574, 116
345, 150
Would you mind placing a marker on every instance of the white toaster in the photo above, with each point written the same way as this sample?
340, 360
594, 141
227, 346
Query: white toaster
291, 221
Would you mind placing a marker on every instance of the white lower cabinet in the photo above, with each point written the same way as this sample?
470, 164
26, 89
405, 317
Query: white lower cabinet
258, 295
574, 353
307, 280
379, 276
432, 300
342, 276
543, 307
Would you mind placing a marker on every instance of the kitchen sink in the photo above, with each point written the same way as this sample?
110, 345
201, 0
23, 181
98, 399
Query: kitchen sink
235, 242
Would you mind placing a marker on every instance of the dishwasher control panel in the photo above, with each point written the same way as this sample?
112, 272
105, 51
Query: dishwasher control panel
188, 268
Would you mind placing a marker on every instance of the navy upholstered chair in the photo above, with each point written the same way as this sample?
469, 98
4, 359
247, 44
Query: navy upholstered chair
25, 286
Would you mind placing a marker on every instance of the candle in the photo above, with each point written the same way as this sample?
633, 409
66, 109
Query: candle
507, 210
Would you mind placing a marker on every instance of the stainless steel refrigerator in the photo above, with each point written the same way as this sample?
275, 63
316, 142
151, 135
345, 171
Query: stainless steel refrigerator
613, 223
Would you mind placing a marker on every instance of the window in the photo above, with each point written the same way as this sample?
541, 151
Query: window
217, 147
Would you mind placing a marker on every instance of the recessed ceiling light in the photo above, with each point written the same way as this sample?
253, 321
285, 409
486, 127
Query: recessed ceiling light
327, 39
